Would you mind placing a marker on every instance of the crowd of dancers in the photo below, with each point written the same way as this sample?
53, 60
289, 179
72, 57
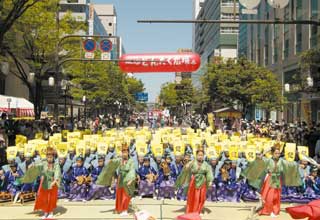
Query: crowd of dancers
193, 175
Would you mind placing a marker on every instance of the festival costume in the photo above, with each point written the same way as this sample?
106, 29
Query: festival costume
147, 184
12, 183
196, 180
270, 175
310, 211
79, 189
165, 182
47, 196
96, 191
228, 190
126, 174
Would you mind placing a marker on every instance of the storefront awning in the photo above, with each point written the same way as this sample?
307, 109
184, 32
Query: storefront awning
21, 107
227, 113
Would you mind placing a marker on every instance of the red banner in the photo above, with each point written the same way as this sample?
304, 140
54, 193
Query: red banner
160, 62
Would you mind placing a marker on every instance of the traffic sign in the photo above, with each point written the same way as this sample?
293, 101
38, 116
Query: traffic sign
89, 45
105, 56
89, 55
105, 45
141, 96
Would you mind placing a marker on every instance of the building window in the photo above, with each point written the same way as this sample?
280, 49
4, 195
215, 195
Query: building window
286, 35
298, 38
266, 46
229, 30
314, 8
110, 24
110, 35
286, 49
299, 12
2, 85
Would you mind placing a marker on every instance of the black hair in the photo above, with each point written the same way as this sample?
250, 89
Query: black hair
199, 150
273, 149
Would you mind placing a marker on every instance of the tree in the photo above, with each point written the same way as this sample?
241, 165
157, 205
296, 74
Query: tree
32, 44
176, 95
104, 83
242, 82
10, 11
309, 65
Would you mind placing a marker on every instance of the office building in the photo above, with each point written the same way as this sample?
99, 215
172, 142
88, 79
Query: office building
84, 11
278, 48
108, 17
196, 7
182, 75
213, 40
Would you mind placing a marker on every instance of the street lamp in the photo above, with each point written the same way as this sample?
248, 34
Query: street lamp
31, 77
64, 87
310, 81
84, 100
287, 87
9, 101
51, 81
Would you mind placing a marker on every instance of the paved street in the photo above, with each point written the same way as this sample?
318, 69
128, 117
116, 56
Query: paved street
164, 210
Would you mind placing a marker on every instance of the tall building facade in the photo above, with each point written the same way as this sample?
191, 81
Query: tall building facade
196, 7
84, 11
278, 47
108, 17
211, 40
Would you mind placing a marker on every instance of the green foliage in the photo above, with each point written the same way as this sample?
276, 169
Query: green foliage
242, 82
168, 95
104, 83
310, 66
32, 42
173, 95
10, 11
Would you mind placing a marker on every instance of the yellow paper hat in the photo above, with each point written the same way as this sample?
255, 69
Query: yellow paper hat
42, 149
233, 152
39, 135
20, 139
250, 152
290, 151
102, 148
29, 150
179, 147
64, 134
141, 148
62, 149
80, 149
20, 147
211, 153
157, 149
12, 153
185, 139
303, 151
118, 146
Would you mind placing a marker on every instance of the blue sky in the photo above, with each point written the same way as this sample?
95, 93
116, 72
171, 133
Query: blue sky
141, 38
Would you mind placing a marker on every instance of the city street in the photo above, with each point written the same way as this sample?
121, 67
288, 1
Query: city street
164, 210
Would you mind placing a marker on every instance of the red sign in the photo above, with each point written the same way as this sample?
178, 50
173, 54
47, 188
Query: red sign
159, 62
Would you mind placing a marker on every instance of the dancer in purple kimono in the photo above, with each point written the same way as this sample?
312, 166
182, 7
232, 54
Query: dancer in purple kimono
66, 173
79, 187
12, 182
147, 176
166, 179
97, 191
181, 195
294, 194
312, 186
2, 178
28, 187
228, 190
212, 191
